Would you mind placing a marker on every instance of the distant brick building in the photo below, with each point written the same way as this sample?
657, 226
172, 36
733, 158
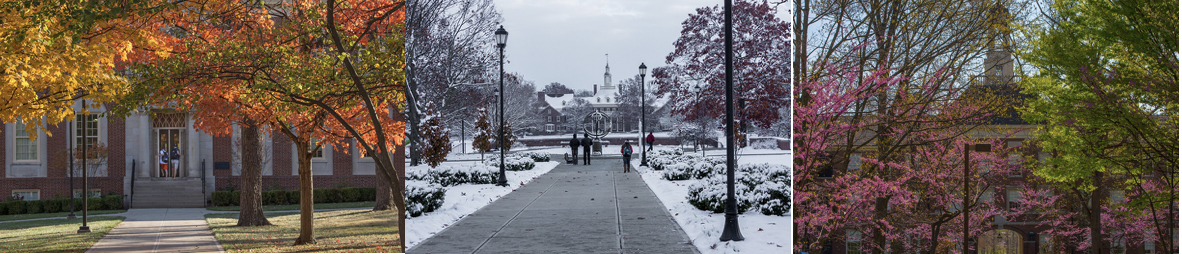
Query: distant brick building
32, 167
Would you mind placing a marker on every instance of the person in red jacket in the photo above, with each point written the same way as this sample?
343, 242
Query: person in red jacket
650, 140
626, 150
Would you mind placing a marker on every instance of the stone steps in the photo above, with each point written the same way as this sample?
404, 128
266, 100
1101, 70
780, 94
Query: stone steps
168, 194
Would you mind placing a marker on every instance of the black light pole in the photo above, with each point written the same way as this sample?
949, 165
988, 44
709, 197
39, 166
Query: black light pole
85, 201
967, 147
502, 35
643, 125
730, 231
71, 156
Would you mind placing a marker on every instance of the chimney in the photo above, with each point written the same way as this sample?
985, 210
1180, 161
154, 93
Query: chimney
541, 96
594, 89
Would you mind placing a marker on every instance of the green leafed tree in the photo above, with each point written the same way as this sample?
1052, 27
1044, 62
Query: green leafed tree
1105, 96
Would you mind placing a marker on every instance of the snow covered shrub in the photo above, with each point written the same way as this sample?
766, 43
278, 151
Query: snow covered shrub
677, 172
661, 158
710, 195
423, 197
512, 162
454, 174
764, 185
536, 156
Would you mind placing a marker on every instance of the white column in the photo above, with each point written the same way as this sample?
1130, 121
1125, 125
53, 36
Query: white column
192, 155
147, 160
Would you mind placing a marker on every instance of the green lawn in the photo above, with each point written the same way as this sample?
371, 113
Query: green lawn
369, 204
60, 235
336, 231
51, 215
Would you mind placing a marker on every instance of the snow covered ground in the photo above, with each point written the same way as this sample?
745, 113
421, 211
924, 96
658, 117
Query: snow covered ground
462, 200
762, 233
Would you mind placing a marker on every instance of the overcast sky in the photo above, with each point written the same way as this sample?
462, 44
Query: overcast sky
565, 40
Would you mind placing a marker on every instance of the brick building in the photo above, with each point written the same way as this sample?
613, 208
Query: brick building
32, 164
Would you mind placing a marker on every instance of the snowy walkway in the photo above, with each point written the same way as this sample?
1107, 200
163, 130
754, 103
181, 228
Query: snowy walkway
595, 208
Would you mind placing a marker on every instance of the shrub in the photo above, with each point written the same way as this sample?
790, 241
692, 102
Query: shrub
319, 196
766, 186
66, 204
677, 172
53, 205
221, 198
16, 207
710, 195
661, 158
536, 156
350, 194
271, 198
368, 194
512, 163
3, 208
293, 196
235, 197
423, 197
94, 204
113, 201
34, 206
334, 196
454, 174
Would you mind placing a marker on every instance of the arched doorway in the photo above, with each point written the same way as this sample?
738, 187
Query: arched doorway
1000, 241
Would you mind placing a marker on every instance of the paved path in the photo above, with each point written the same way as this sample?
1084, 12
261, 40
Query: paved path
572, 209
160, 230
166, 230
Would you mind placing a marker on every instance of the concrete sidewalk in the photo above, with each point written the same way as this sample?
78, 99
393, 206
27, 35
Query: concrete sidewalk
160, 230
572, 209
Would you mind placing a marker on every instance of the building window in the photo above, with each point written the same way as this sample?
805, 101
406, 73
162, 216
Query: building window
550, 127
318, 150
1042, 159
1149, 247
26, 147
1116, 197
855, 161
91, 134
1013, 195
853, 242
1045, 244
94, 193
27, 195
1015, 156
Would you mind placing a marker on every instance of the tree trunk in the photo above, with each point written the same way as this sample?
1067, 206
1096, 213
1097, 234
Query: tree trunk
412, 109
1094, 216
251, 211
385, 195
880, 212
307, 235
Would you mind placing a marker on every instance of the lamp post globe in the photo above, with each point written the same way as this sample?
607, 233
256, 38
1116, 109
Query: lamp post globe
643, 124
502, 36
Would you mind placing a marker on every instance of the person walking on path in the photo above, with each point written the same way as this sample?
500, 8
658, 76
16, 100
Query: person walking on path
650, 140
626, 149
586, 150
574, 148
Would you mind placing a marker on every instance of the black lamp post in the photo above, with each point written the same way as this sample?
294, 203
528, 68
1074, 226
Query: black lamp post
71, 156
85, 184
730, 231
643, 125
502, 35
965, 204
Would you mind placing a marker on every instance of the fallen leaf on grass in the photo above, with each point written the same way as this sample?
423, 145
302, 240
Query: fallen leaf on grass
712, 246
